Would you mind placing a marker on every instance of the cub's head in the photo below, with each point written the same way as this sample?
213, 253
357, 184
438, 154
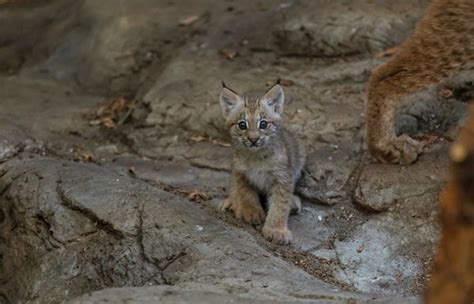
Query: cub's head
253, 121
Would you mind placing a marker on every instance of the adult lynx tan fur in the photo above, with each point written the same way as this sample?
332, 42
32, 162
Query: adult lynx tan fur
440, 52
267, 161
452, 277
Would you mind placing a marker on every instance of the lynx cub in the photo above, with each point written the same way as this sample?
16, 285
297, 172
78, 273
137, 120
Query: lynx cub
267, 161
439, 53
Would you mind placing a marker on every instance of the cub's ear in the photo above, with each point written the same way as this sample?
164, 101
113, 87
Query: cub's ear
229, 100
274, 99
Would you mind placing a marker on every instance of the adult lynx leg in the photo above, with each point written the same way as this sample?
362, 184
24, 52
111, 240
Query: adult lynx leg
276, 224
452, 279
441, 46
244, 201
383, 143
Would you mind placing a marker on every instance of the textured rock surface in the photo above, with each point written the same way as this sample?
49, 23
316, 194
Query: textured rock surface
199, 293
335, 28
75, 227
376, 192
86, 208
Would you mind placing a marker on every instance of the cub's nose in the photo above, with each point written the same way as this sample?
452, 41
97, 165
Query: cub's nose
254, 140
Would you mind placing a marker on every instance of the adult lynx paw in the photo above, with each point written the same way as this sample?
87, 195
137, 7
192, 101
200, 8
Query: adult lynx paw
252, 214
402, 149
278, 236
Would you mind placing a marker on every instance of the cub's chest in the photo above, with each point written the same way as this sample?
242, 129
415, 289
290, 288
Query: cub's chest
261, 178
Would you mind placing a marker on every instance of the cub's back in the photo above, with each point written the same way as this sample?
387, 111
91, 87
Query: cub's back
296, 153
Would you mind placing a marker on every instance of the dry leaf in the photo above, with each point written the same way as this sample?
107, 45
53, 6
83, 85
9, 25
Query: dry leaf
86, 157
74, 133
446, 93
198, 138
197, 196
189, 20
95, 122
386, 53
108, 123
132, 172
220, 142
215, 141
228, 54
112, 114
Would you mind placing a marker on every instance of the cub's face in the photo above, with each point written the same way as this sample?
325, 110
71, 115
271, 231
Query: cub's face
253, 121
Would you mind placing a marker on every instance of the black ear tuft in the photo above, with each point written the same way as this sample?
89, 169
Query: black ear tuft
273, 85
226, 87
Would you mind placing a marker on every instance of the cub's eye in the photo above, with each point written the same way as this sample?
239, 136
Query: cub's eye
242, 125
263, 124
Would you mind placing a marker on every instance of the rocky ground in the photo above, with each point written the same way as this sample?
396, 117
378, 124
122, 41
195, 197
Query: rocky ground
113, 153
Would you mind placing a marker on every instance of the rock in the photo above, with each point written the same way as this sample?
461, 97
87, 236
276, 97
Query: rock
327, 174
337, 29
428, 112
107, 150
379, 255
189, 100
91, 228
201, 293
37, 112
381, 187
313, 228
344, 72
177, 175
31, 23
104, 45
7, 150
55, 232
196, 293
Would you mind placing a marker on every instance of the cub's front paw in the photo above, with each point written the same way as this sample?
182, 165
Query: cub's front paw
225, 205
278, 236
402, 149
248, 212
